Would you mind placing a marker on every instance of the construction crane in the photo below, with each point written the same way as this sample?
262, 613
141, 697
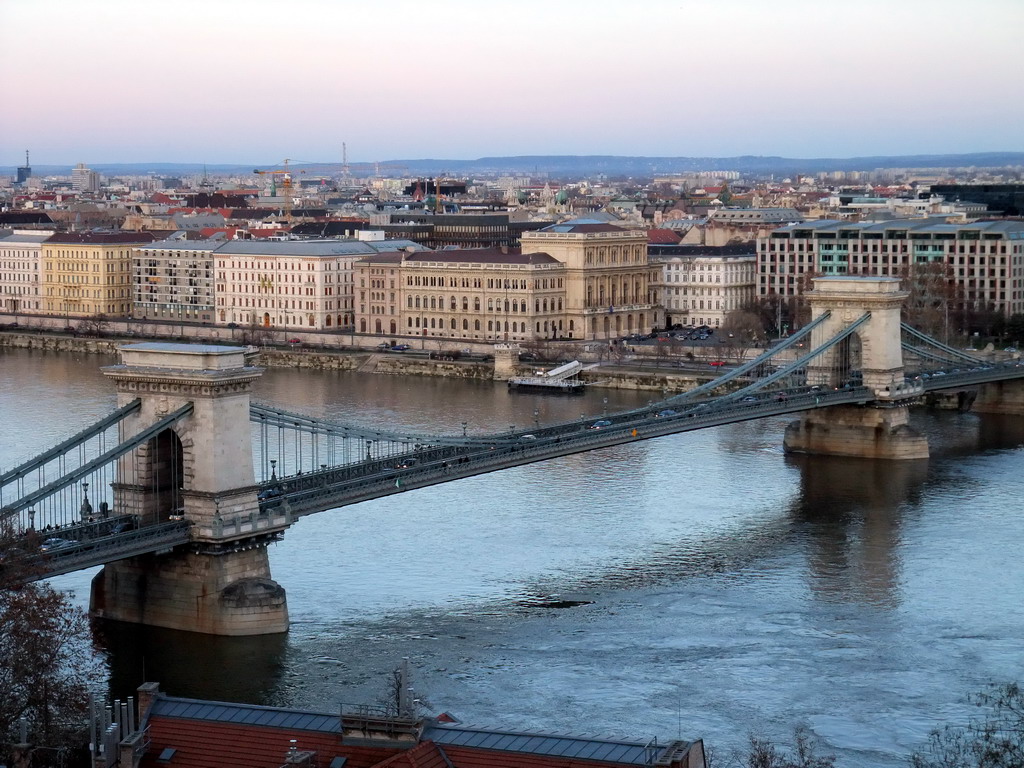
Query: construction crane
286, 185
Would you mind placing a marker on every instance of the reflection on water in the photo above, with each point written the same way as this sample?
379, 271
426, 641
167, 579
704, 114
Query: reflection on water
243, 669
850, 511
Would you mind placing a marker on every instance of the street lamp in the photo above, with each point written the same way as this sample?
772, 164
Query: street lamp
464, 425
273, 469
369, 457
536, 418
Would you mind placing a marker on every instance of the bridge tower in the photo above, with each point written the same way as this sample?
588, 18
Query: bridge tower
879, 430
199, 468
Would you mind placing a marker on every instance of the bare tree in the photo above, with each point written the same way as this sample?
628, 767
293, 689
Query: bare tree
46, 657
762, 753
993, 739
94, 325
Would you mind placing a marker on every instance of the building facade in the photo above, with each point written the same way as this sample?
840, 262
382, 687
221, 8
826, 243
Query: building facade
479, 294
608, 290
20, 272
985, 259
300, 284
703, 287
85, 274
173, 280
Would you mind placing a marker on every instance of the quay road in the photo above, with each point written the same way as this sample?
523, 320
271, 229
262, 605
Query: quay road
335, 487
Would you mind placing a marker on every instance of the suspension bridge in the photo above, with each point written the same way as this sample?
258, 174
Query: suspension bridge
178, 492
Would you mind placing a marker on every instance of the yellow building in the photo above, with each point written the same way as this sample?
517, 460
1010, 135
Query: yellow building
89, 273
607, 277
481, 294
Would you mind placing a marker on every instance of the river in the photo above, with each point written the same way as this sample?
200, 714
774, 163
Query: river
699, 585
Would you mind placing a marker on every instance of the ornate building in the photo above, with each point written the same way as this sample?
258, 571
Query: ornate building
479, 294
608, 290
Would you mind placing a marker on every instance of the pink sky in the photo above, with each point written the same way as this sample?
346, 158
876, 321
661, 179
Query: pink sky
250, 81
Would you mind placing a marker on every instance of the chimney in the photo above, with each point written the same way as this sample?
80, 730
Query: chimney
148, 692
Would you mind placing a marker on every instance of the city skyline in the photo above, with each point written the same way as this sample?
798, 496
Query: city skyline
240, 82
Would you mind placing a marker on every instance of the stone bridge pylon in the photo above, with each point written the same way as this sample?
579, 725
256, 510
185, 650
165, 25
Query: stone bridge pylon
879, 430
201, 469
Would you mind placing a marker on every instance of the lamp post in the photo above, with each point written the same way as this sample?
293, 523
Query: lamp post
536, 418
464, 425
273, 469
369, 457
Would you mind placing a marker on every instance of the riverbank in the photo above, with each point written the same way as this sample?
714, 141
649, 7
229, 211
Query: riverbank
414, 363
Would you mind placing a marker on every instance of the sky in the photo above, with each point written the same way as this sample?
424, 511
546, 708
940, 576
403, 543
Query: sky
251, 81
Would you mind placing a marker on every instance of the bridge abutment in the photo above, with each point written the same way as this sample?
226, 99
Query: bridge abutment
1002, 397
229, 593
857, 431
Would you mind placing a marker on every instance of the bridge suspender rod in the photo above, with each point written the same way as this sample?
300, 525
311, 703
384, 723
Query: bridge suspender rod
114, 453
938, 344
799, 363
87, 433
746, 368
263, 413
926, 354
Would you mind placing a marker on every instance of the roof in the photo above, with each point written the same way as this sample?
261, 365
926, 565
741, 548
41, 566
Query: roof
22, 237
297, 248
244, 714
183, 245
463, 256
663, 236
552, 745
207, 733
575, 228
101, 238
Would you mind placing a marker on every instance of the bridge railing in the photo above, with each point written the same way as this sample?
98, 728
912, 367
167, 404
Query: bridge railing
324, 490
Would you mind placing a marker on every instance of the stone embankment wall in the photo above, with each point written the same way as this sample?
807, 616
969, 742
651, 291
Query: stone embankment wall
667, 380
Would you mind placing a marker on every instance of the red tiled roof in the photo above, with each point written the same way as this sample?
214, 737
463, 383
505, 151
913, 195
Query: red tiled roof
663, 237
205, 744
209, 232
425, 755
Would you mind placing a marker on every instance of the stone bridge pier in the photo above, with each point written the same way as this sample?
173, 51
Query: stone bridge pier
199, 469
878, 430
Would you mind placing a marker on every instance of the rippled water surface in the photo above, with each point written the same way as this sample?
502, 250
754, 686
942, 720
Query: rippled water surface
702, 584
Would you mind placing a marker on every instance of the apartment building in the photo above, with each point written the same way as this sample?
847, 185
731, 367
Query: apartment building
301, 284
607, 277
89, 273
481, 294
173, 280
986, 259
705, 284
20, 273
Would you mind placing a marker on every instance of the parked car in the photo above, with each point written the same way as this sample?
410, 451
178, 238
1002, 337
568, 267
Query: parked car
400, 348
294, 341
717, 362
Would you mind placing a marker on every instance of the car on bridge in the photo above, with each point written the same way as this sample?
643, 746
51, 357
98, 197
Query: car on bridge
405, 463
600, 424
665, 413
53, 544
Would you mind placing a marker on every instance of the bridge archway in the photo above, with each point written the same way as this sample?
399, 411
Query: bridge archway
167, 475
846, 300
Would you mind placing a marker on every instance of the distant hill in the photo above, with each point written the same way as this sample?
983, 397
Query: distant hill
582, 165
